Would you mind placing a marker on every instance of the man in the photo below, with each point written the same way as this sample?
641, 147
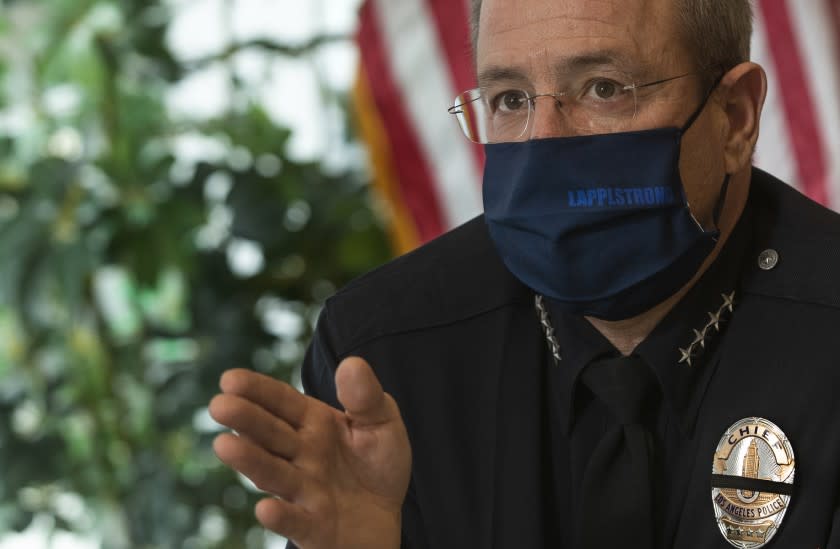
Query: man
633, 347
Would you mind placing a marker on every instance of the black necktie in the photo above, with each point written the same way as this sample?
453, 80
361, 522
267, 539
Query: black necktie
617, 482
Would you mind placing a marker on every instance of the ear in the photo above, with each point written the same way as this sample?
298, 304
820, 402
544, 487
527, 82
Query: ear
743, 90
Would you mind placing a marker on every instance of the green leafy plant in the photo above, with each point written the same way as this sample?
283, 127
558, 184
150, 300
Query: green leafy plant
131, 278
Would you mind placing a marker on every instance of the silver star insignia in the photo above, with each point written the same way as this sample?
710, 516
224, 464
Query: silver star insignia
686, 356
699, 338
714, 321
728, 302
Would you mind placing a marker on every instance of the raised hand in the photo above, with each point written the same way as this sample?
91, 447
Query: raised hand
339, 477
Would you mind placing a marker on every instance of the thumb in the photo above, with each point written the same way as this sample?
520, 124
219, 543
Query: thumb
361, 394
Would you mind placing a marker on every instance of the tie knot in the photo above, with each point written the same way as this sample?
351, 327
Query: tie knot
626, 385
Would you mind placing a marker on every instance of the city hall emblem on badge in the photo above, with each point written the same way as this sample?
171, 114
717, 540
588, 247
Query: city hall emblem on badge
752, 482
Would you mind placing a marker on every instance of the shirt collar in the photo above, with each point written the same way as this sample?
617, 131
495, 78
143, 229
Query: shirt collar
703, 311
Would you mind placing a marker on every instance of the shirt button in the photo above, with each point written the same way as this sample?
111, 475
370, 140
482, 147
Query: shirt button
768, 259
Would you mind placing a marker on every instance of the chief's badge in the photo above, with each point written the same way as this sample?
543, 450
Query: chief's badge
752, 482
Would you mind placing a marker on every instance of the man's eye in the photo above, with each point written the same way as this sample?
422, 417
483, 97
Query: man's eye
510, 101
605, 89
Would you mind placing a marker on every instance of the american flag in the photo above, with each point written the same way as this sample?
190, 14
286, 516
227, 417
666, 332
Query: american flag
415, 58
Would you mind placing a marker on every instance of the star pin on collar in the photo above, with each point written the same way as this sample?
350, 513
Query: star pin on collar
699, 338
693, 351
714, 321
728, 301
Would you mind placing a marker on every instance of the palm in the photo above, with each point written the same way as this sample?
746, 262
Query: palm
342, 476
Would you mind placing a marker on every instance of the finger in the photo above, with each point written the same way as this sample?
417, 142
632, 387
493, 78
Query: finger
284, 518
268, 472
361, 394
254, 422
279, 398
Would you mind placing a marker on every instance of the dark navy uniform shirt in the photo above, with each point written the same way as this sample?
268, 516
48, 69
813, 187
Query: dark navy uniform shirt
500, 432
682, 352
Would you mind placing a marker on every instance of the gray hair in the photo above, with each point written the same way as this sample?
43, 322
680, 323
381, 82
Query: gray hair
717, 32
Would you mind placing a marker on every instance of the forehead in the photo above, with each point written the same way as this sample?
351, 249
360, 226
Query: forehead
530, 34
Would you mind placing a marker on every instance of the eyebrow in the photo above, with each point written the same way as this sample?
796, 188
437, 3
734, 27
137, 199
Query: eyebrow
569, 65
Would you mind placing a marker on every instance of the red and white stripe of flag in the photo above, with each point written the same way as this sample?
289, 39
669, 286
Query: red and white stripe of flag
798, 43
415, 58
415, 54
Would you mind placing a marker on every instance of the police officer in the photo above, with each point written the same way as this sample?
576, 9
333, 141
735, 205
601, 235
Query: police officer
632, 347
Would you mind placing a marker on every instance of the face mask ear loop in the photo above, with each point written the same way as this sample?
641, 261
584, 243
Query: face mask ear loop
720, 202
696, 114
725, 187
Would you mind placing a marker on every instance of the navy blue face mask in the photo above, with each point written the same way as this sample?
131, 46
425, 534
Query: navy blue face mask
599, 224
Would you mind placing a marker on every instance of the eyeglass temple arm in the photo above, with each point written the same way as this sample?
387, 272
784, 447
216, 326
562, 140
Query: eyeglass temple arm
664, 80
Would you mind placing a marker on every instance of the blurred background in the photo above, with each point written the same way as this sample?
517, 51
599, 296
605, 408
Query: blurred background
182, 185
179, 193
